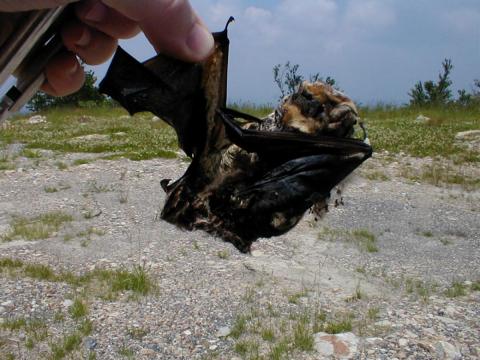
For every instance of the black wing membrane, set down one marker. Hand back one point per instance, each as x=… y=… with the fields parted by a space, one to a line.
x=287 y=145
x=168 y=88
x=171 y=89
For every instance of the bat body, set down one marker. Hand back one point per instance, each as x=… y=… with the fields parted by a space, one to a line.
x=249 y=177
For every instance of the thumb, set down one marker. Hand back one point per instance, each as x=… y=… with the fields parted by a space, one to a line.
x=171 y=26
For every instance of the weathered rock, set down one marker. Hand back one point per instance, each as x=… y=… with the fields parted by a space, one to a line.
x=37 y=119
x=224 y=331
x=92 y=138
x=342 y=346
x=469 y=139
x=422 y=119
x=468 y=135
x=446 y=351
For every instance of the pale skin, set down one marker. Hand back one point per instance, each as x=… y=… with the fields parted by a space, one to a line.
x=171 y=26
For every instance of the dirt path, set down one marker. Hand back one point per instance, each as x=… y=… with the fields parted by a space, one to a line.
x=382 y=262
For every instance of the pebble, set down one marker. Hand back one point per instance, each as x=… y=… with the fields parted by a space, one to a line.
x=90 y=343
x=224 y=331
x=67 y=303
x=403 y=342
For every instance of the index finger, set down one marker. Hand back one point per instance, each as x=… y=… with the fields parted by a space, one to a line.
x=171 y=26
x=15 y=5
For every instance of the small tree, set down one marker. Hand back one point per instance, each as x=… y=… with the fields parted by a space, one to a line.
x=476 y=88
x=87 y=95
x=287 y=78
x=434 y=93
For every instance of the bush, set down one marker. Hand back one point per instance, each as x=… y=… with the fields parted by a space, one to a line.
x=288 y=79
x=433 y=93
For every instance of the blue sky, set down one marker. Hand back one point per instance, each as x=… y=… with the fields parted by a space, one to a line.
x=376 y=49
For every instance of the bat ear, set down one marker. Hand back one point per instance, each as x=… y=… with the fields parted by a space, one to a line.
x=222 y=46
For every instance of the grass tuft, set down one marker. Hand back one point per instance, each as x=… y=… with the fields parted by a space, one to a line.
x=457 y=289
x=78 y=309
x=37 y=228
x=337 y=327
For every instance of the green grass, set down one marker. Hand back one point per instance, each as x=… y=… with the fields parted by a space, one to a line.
x=268 y=334
x=457 y=289
x=295 y=298
x=337 y=327
x=135 y=280
x=303 y=337
x=82 y=161
x=376 y=175
x=61 y=350
x=7 y=263
x=78 y=309
x=363 y=238
x=239 y=327
x=247 y=347
x=36 y=228
x=223 y=254
x=441 y=174
x=420 y=288
x=373 y=313
x=30 y=154
x=366 y=239
x=35 y=329
x=39 y=272
x=6 y=165
x=395 y=130
x=86 y=327
x=144 y=138
x=279 y=350
x=126 y=352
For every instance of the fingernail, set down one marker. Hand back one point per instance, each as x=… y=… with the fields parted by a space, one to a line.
x=73 y=69
x=96 y=13
x=200 y=41
x=84 y=39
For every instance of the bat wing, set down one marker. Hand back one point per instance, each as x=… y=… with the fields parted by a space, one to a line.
x=302 y=170
x=287 y=145
x=178 y=92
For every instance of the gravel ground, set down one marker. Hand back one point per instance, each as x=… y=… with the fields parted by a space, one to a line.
x=427 y=239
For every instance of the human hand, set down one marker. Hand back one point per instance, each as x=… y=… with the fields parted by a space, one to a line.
x=171 y=26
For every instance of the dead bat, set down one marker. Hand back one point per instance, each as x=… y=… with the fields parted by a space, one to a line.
x=249 y=178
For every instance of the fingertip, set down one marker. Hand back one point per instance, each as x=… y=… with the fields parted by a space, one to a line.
x=64 y=75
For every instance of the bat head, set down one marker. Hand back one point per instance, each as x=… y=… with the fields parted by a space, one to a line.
x=317 y=108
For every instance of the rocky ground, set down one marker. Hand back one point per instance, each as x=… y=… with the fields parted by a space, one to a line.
x=394 y=271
